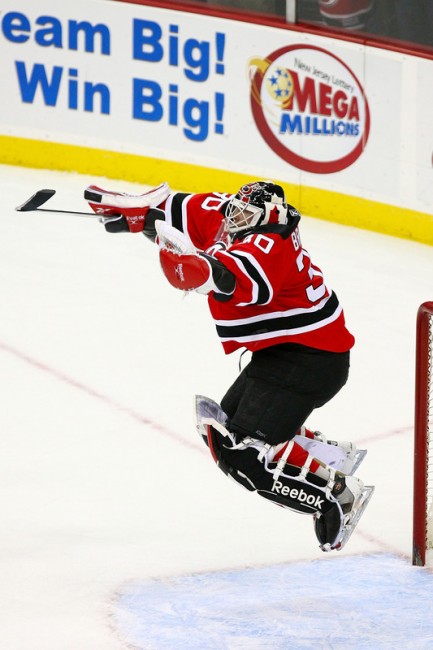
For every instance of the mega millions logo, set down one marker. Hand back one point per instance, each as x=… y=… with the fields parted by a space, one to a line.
x=310 y=108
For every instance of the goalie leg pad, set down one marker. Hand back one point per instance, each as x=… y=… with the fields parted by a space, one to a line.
x=323 y=525
x=251 y=464
x=204 y=409
x=246 y=464
x=216 y=443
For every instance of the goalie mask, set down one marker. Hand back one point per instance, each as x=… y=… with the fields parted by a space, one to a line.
x=256 y=204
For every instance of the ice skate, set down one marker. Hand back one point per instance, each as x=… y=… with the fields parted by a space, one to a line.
x=352 y=497
x=343 y=456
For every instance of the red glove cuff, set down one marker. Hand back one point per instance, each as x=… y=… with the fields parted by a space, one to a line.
x=135 y=217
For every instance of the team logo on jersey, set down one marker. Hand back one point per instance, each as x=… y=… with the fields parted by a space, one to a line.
x=310 y=108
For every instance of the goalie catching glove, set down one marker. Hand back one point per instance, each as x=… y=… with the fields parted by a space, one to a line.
x=189 y=270
x=121 y=212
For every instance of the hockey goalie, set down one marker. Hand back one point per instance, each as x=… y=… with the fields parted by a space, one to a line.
x=265 y=294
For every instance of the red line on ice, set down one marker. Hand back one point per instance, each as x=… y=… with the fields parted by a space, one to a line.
x=88 y=390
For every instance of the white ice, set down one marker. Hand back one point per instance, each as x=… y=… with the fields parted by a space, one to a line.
x=104 y=483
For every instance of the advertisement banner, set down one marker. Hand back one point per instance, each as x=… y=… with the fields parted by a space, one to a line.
x=307 y=110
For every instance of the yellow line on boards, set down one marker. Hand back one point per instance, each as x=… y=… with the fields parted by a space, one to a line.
x=323 y=204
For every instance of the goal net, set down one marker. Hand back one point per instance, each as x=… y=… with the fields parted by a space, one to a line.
x=423 y=442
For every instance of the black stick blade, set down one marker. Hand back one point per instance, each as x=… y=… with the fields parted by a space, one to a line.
x=35 y=201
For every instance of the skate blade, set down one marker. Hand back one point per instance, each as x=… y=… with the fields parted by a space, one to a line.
x=350 y=526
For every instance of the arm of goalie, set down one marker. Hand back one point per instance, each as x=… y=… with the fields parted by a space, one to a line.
x=187 y=269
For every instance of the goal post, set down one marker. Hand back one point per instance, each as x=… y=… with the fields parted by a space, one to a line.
x=423 y=437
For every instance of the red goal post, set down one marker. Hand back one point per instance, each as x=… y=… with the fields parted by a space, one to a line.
x=423 y=439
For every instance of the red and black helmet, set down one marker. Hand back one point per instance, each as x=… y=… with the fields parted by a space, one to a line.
x=256 y=204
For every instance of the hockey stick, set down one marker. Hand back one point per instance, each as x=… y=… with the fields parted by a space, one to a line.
x=42 y=196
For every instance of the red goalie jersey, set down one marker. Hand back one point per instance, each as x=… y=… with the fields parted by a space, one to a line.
x=278 y=294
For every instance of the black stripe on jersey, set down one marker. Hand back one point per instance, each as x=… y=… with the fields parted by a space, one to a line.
x=279 y=323
x=224 y=279
x=176 y=210
x=255 y=275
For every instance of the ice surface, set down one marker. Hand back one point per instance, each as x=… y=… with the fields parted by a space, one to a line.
x=355 y=603
x=103 y=480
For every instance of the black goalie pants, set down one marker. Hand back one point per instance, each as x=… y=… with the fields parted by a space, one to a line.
x=280 y=387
